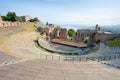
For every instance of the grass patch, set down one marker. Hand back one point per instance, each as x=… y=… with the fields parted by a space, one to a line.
x=94 y=49
x=1 y=40
x=29 y=27
x=114 y=42
x=38 y=46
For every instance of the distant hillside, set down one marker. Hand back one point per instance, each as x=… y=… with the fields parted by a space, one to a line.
x=75 y=27
x=113 y=28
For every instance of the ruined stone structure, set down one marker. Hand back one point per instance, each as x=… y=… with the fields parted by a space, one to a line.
x=93 y=36
x=26 y=18
x=47 y=30
x=104 y=36
x=59 y=34
x=83 y=34
x=52 y=25
x=87 y=36
x=63 y=34
x=97 y=28
x=8 y=23
x=42 y=29
x=5 y=23
x=55 y=33
x=38 y=24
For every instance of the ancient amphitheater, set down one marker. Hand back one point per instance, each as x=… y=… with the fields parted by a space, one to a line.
x=20 y=59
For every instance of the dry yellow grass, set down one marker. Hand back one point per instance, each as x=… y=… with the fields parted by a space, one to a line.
x=37 y=45
x=1 y=40
x=29 y=27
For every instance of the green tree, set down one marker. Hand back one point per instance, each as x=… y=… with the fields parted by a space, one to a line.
x=19 y=19
x=34 y=20
x=11 y=16
x=46 y=23
x=71 y=32
x=31 y=20
x=4 y=18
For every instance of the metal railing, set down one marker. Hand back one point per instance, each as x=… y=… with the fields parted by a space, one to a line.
x=79 y=58
x=101 y=59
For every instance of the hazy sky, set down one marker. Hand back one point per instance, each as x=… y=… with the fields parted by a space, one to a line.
x=66 y=11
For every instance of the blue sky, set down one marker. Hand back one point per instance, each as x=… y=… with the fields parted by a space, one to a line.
x=83 y=12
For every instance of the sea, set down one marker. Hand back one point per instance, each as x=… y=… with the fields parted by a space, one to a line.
x=112 y=28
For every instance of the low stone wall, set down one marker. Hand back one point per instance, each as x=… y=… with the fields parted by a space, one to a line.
x=52 y=48
x=7 y=23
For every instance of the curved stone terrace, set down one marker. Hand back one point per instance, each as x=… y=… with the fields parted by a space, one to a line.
x=49 y=46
